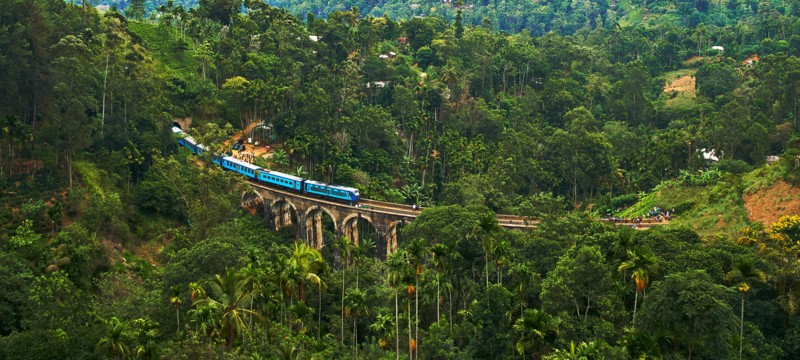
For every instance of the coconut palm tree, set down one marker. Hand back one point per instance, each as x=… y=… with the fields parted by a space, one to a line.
x=744 y=273
x=113 y=341
x=232 y=292
x=309 y=263
x=537 y=332
x=642 y=263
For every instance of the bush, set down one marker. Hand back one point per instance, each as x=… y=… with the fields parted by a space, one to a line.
x=733 y=166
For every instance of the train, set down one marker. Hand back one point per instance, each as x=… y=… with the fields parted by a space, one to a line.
x=272 y=178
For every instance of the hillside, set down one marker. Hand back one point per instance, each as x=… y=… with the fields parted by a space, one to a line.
x=728 y=203
x=116 y=242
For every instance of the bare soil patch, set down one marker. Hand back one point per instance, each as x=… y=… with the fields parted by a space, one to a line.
x=683 y=84
x=768 y=205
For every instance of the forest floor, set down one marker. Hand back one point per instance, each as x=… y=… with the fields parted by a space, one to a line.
x=767 y=205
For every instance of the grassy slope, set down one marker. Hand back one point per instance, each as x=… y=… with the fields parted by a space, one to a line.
x=718 y=209
x=165 y=47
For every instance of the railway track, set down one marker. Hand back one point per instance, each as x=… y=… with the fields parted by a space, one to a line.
x=504 y=220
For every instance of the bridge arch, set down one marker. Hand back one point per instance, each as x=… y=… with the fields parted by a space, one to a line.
x=350 y=229
x=325 y=210
x=283 y=212
x=313 y=230
x=255 y=203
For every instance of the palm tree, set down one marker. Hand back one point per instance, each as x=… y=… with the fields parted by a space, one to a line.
x=439 y=254
x=360 y=252
x=233 y=296
x=744 y=273
x=642 y=262
x=638 y=345
x=502 y=253
x=286 y=351
x=309 y=263
x=356 y=300
x=418 y=252
x=582 y=351
x=397 y=270
x=300 y=171
x=196 y=292
x=344 y=249
x=487 y=227
x=113 y=343
x=176 y=302
x=537 y=331
x=384 y=326
x=145 y=331
x=279 y=159
x=205 y=316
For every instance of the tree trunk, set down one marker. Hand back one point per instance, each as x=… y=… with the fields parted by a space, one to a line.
x=410 y=344
x=635 y=302
x=741 y=330
x=355 y=339
x=437 y=298
x=105 y=80
x=416 y=317
x=342 y=313
x=69 y=169
x=486 y=267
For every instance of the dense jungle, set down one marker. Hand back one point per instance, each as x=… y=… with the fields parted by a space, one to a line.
x=115 y=242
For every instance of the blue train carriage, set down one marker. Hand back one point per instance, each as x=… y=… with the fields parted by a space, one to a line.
x=187 y=141
x=240 y=167
x=280 y=179
x=336 y=192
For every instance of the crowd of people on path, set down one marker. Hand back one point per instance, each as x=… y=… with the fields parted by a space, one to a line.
x=656 y=215
x=245 y=156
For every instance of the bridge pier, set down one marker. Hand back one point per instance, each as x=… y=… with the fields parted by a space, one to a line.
x=312 y=231
x=350 y=230
x=286 y=215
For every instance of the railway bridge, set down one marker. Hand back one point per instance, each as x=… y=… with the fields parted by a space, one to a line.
x=277 y=206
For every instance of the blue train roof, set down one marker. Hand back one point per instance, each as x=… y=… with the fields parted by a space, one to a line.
x=242 y=163
x=176 y=130
x=285 y=176
x=332 y=186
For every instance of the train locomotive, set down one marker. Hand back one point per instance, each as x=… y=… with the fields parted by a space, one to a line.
x=273 y=178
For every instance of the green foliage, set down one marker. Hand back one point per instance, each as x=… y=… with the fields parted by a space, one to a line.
x=689 y=312
x=484 y=121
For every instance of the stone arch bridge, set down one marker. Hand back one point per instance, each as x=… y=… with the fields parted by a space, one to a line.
x=277 y=207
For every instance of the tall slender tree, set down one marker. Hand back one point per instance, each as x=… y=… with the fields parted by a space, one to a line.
x=743 y=274
x=642 y=263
